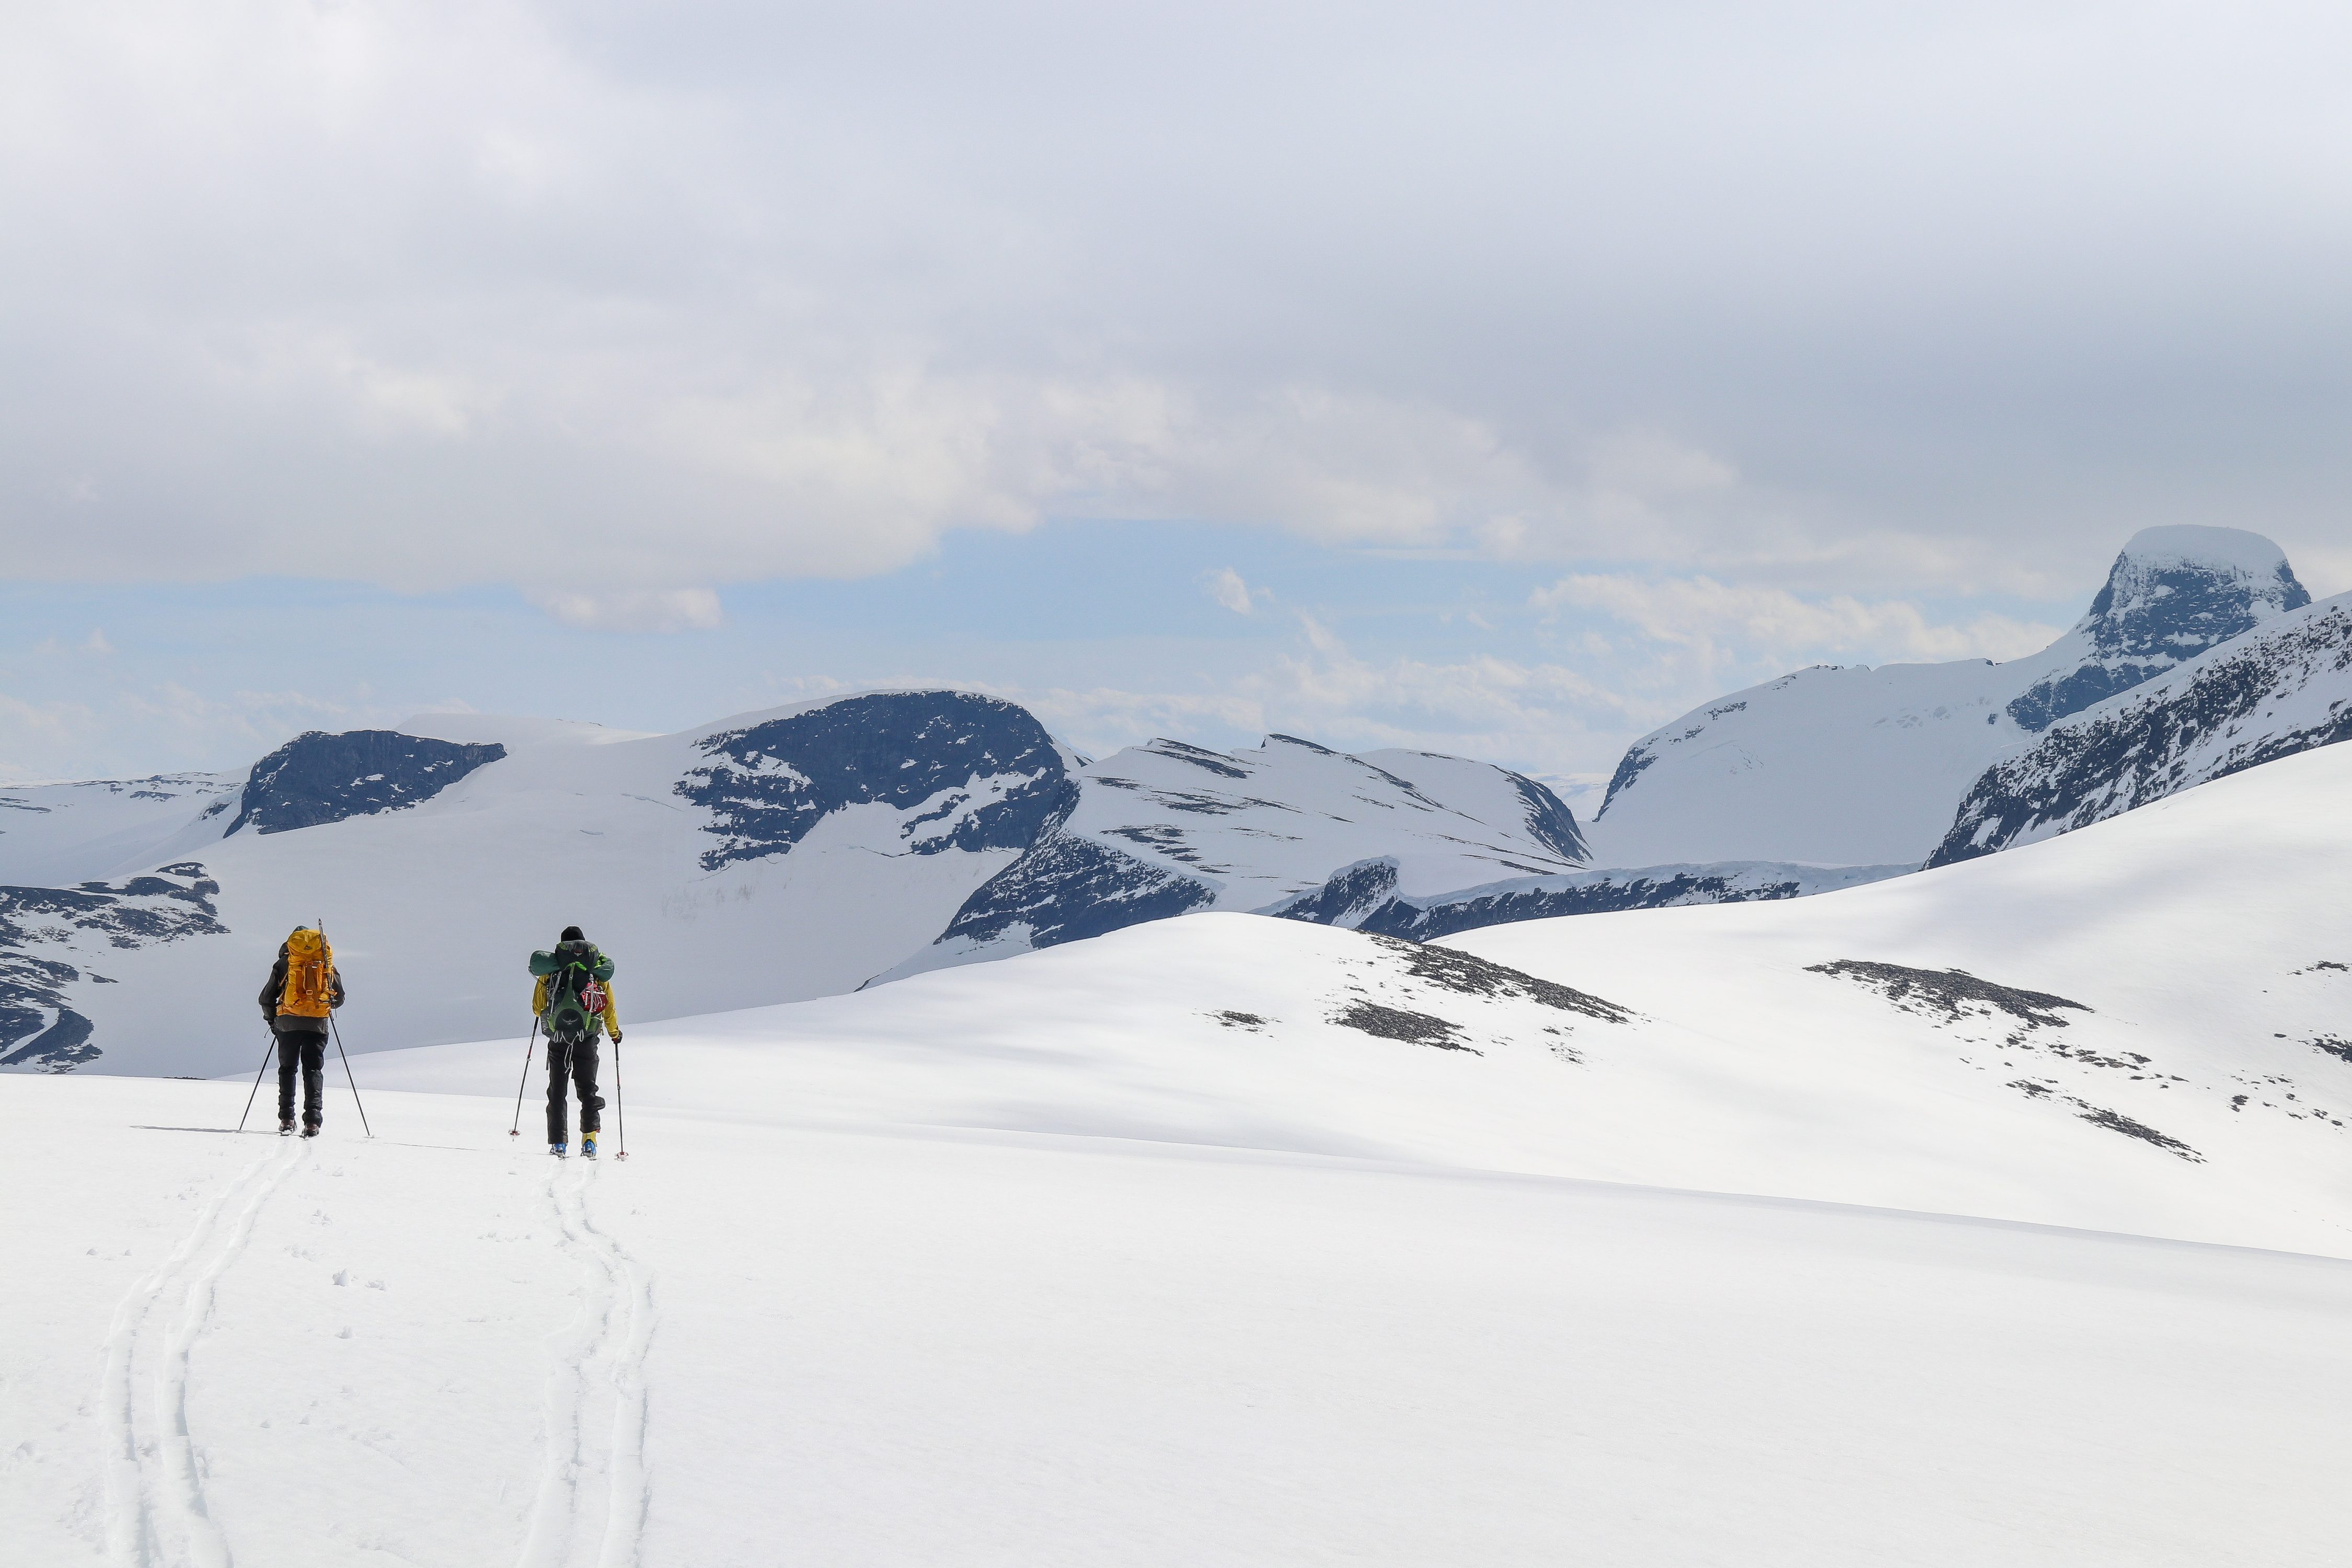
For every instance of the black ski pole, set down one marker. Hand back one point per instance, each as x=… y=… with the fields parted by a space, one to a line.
x=620 y=1097
x=339 y=1034
x=516 y=1130
x=347 y=1075
x=256 y=1079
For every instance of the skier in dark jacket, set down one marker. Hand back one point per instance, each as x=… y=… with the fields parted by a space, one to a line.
x=304 y=987
x=574 y=999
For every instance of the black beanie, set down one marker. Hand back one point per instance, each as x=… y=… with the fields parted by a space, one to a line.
x=571 y=933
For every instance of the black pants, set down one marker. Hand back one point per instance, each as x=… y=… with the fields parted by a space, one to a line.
x=576 y=1059
x=310 y=1050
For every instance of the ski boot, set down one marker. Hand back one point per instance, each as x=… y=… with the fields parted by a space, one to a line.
x=559 y=1149
x=588 y=1145
x=309 y=1130
x=286 y=1127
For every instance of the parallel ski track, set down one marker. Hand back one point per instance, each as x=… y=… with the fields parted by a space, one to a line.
x=593 y=1492
x=156 y=1513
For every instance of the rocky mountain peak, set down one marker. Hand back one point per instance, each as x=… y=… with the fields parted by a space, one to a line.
x=2175 y=592
x=2172 y=594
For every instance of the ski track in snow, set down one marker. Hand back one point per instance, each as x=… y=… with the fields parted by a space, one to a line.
x=156 y=1511
x=592 y=1493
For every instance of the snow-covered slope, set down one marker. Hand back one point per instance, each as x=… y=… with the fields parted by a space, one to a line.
x=1848 y=766
x=2271 y=693
x=57 y=944
x=1168 y=828
x=2150 y=1036
x=900 y=1347
x=2193 y=966
x=55 y=836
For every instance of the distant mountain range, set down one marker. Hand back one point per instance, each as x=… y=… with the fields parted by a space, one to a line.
x=816 y=849
x=768 y=858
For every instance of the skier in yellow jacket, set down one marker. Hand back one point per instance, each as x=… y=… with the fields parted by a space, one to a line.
x=303 y=988
x=573 y=1001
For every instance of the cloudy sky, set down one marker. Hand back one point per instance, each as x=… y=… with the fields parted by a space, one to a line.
x=1496 y=377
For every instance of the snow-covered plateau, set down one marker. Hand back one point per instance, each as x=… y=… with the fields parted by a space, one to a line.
x=1996 y=1214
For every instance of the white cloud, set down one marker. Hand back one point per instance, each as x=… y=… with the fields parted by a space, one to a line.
x=1226 y=586
x=1727 y=623
x=1481 y=706
x=52 y=648
x=659 y=610
x=484 y=277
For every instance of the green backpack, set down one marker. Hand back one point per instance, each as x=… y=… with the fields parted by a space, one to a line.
x=575 y=973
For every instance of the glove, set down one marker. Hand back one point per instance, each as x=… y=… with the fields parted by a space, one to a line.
x=616 y=1037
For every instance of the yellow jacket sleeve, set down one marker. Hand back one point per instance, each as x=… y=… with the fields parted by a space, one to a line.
x=611 y=1011
x=539 y=997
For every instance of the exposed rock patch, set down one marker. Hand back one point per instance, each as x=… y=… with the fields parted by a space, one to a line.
x=1955 y=993
x=1473 y=976
x=2117 y=1121
x=1397 y=1023
x=1363 y=896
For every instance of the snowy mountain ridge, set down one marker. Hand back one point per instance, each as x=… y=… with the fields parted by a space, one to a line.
x=789 y=853
x=1168 y=828
x=1852 y=765
x=2270 y=693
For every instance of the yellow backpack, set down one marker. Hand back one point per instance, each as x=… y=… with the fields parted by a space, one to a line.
x=309 y=976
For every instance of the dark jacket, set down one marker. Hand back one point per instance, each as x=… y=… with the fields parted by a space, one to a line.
x=294 y=1022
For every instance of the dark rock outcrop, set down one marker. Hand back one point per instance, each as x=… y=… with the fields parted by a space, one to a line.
x=993 y=778
x=1363 y=896
x=319 y=778
x=1070 y=886
x=1548 y=820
